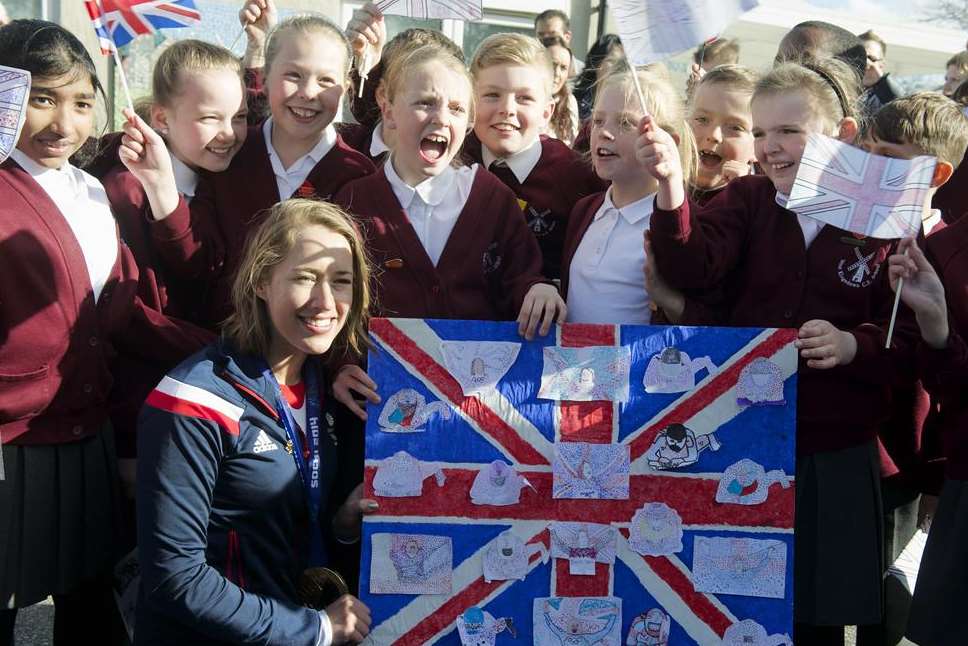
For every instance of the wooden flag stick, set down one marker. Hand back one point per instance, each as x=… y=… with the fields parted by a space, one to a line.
x=361 y=69
x=897 y=302
x=123 y=77
x=238 y=36
x=638 y=86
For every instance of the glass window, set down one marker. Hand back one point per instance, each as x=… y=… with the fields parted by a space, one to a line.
x=396 y=24
x=23 y=8
x=475 y=32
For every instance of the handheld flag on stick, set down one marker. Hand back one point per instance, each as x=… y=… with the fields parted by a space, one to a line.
x=654 y=30
x=14 y=94
x=866 y=194
x=108 y=46
x=126 y=19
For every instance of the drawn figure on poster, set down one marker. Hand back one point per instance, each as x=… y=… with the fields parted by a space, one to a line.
x=507 y=557
x=411 y=564
x=748 y=483
x=672 y=371
x=760 y=384
x=649 y=629
x=402 y=476
x=596 y=373
x=750 y=633
x=498 y=484
x=743 y=566
x=406 y=411
x=578 y=621
x=584 y=545
x=14 y=95
x=478 y=627
x=478 y=365
x=656 y=530
x=677 y=446
x=591 y=471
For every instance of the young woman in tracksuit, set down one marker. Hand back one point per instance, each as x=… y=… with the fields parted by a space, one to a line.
x=248 y=474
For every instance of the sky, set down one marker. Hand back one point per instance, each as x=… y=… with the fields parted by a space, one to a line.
x=871 y=7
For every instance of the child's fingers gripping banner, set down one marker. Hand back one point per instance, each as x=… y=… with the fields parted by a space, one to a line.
x=654 y=506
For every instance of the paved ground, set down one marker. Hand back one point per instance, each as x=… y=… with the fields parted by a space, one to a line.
x=35 y=626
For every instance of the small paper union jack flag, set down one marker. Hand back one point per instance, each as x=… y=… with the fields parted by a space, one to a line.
x=118 y=22
x=103 y=37
x=867 y=194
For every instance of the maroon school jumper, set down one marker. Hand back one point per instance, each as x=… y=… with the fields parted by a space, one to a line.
x=228 y=205
x=359 y=137
x=56 y=343
x=742 y=241
x=135 y=377
x=489 y=263
x=952 y=198
x=946 y=371
x=559 y=179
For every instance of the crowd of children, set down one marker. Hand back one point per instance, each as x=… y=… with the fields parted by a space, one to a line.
x=238 y=207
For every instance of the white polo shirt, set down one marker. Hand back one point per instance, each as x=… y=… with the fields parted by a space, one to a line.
x=606 y=280
x=433 y=205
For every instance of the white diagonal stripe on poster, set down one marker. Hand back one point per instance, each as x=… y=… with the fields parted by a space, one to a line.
x=668 y=599
x=725 y=407
x=464 y=575
x=428 y=341
x=675 y=560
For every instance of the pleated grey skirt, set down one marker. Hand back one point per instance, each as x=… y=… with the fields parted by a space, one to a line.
x=938 y=616
x=838 y=553
x=59 y=521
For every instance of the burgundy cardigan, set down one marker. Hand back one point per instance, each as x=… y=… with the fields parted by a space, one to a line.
x=489 y=263
x=945 y=371
x=56 y=343
x=135 y=377
x=207 y=240
x=746 y=244
x=549 y=194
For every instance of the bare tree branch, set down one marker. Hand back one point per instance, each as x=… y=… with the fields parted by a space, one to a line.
x=954 y=12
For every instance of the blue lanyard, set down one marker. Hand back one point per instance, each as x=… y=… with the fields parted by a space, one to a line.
x=308 y=467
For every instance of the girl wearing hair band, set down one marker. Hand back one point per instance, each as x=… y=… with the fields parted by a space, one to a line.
x=296 y=152
x=69 y=305
x=246 y=469
x=784 y=270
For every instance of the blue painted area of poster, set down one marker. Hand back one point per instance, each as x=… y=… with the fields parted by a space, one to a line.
x=502 y=418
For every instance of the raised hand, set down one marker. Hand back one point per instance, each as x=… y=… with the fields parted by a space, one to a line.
x=257 y=17
x=143 y=152
x=921 y=290
x=367 y=28
x=657 y=152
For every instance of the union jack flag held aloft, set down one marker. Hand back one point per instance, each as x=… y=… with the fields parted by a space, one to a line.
x=660 y=515
x=118 y=22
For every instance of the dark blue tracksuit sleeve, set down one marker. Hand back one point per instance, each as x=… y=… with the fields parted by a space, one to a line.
x=178 y=464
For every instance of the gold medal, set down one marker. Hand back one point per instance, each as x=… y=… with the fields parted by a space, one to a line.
x=319 y=586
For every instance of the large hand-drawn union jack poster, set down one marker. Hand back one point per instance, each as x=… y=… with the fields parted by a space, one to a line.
x=602 y=485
